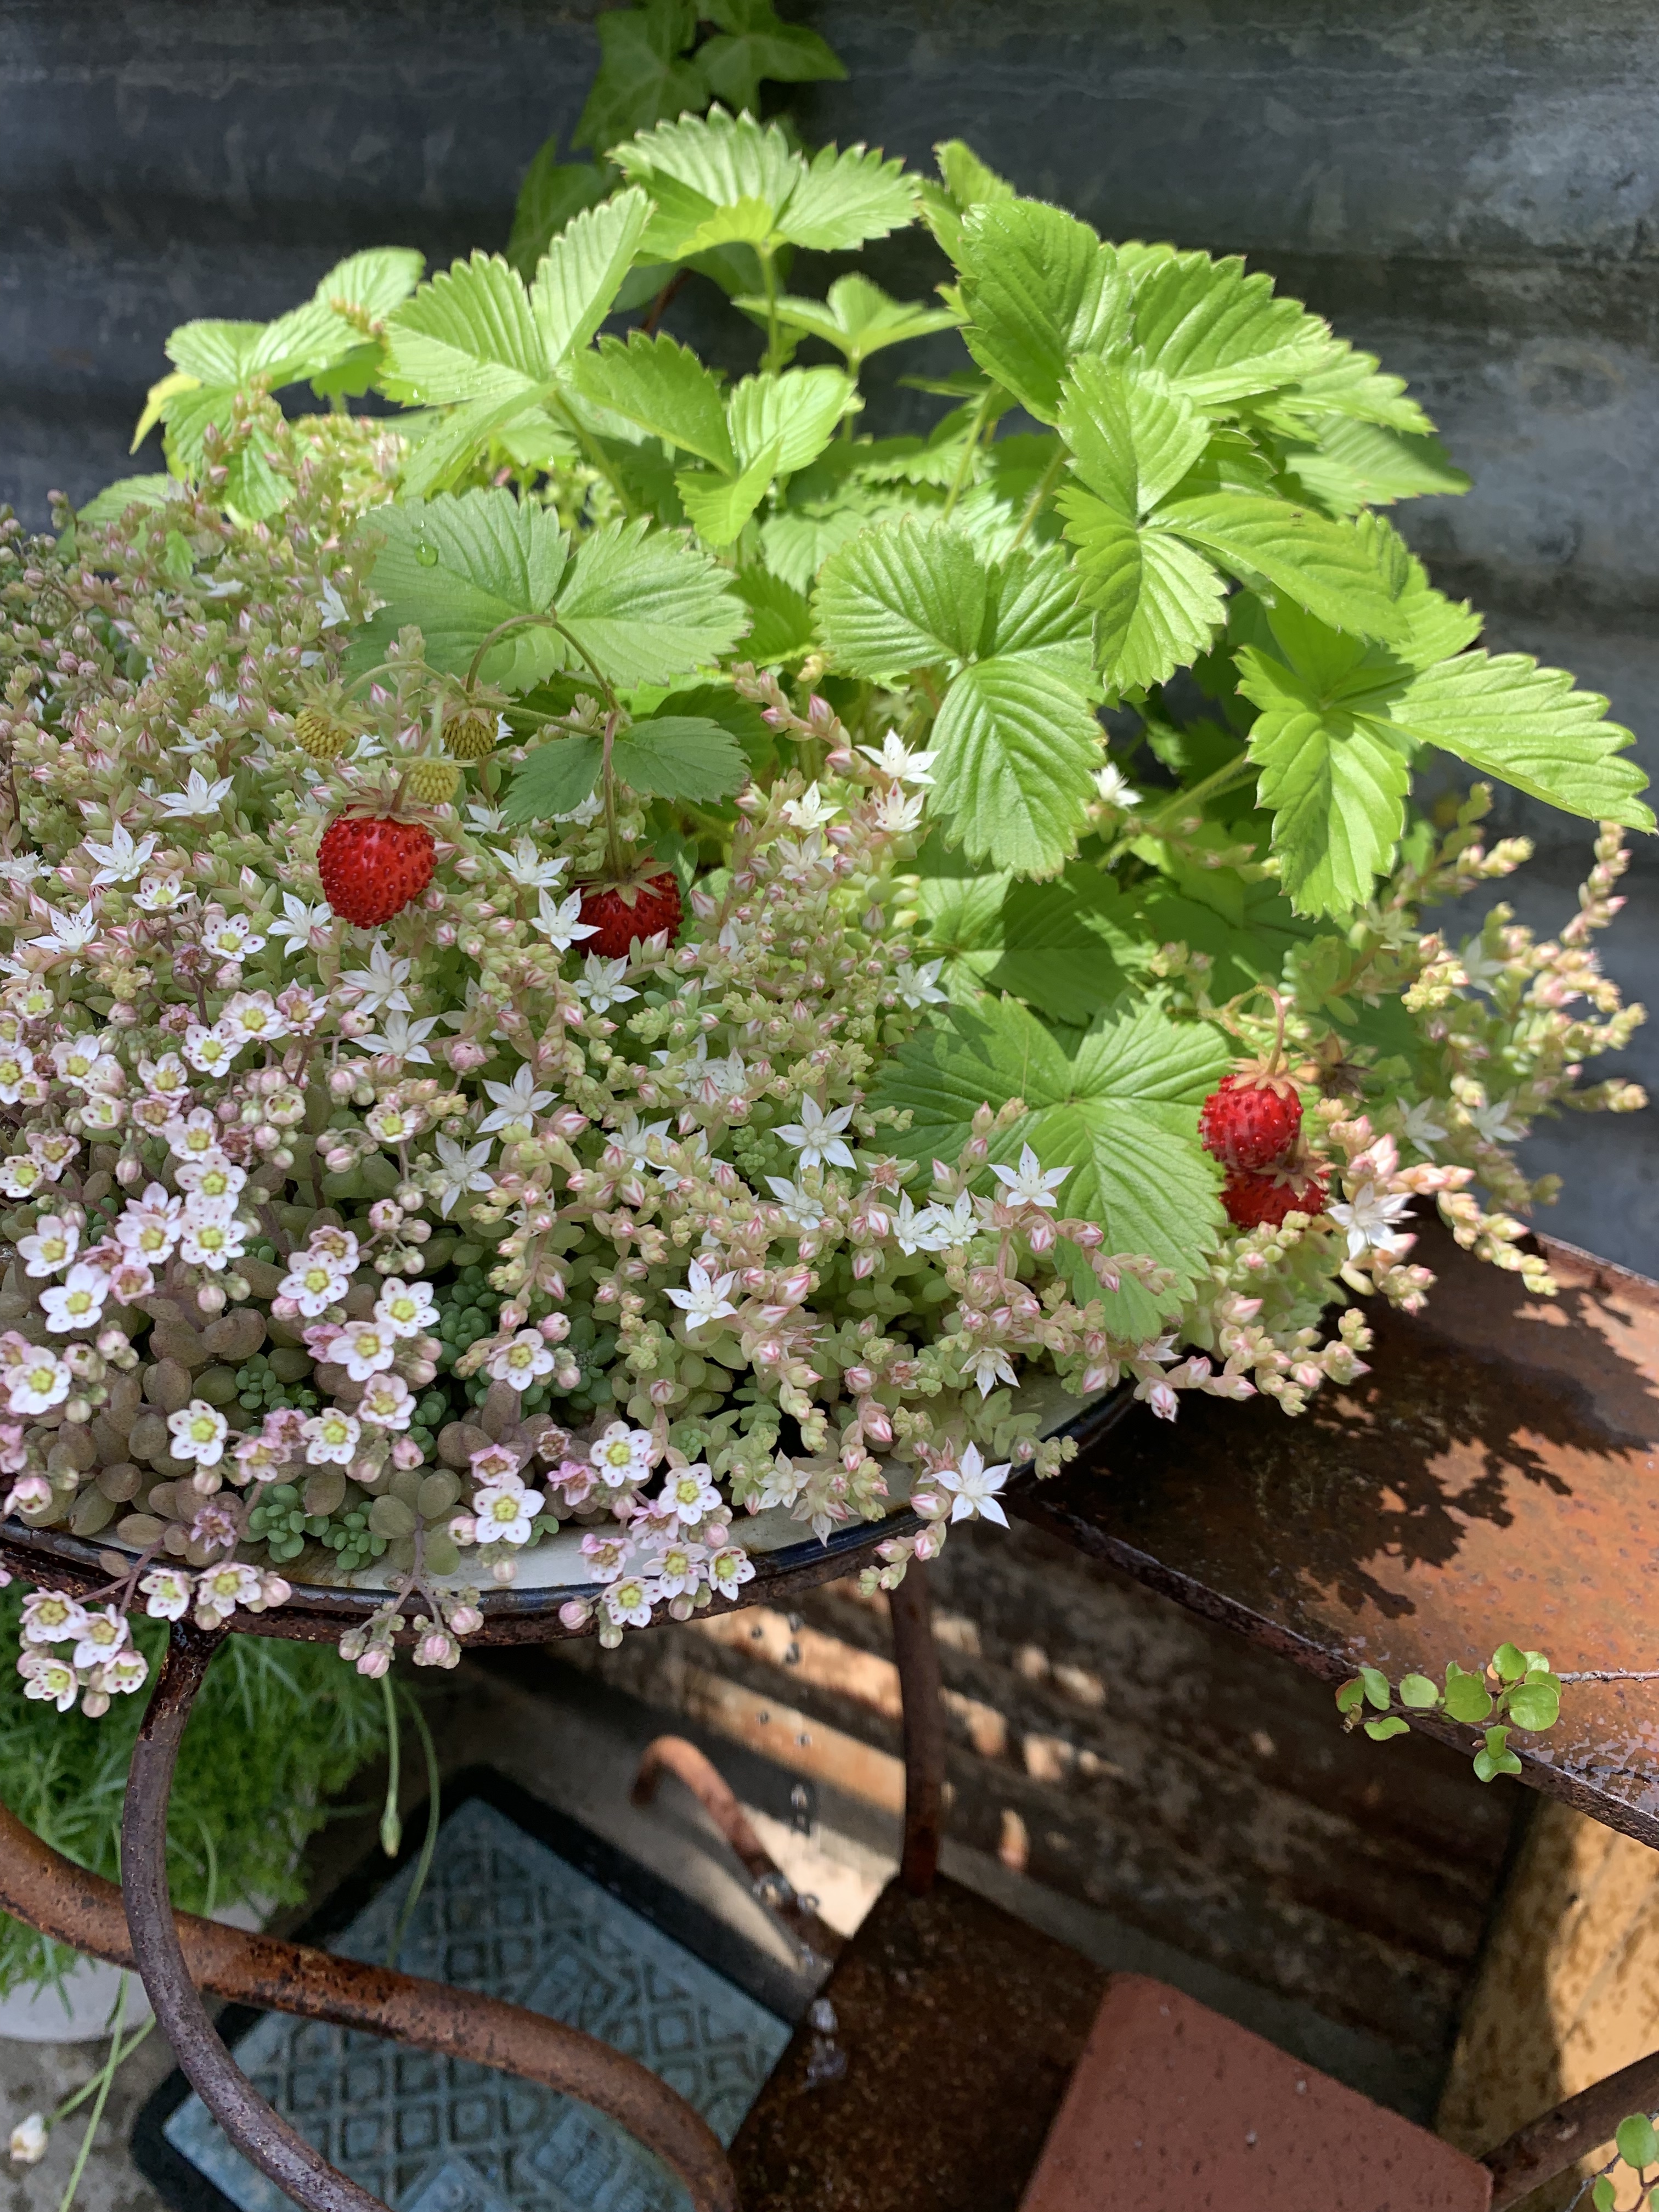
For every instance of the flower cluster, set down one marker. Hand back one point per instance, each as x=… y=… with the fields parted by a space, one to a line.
x=392 y=1253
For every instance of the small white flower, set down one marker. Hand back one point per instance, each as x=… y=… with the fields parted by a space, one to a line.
x=160 y=893
x=49 y=1679
x=78 y=1302
x=559 y=923
x=521 y=1363
x=915 y=1232
x=990 y=1365
x=121 y=859
x=401 y=1038
x=298 y=920
x=405 y=1308
x=387 y=1402
x=380 y=985
x=198 y=797
x=817 y=1136
x=811 y=811
x=705 y=1298
x=332 y=608
x=16 y=1067
x=628 y=1602
x=314 y=1283
x=330 y=1438
x=602 y=984
x=209 y=1051
x=689 y=1493
x=633 y=1139
x=893 y=759
x=1030 y=1182
x=364 y=1347
x=1114 y=789
x=53 y=1245
x=516 y=1101
x=1481 y=968
x=953 y=1224
x=459 y=1171
x=973 y=1487
x=37 y=1382
x=674 y=1569
x=212 y=1244
x=899 y=812
x=531 y=868
x=212 y=1179
x=1494 y=1123
x=23 y=868
x=1421 y=1128
x=504 y=1512
x=730 y=1569
x=101 y=1637
x=198 y=1432
x=621 y=1455
x=229 y=937
x=800 y=1209
x=167 y=1594
x=919 y=987
x=1369 y=1217
x=69 y=932
x=251 y=1017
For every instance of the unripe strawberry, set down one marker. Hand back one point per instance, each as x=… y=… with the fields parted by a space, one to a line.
x=470 y=737
x=433 y=781
x=1259 y=1198
x=319 y=735
x=372 y=868
x=639 y=907
x=1253 y=1120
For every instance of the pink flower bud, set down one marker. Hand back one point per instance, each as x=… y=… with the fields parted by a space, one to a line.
x=466 y=1621
x=568 y=1123
x=859 y=1380
x=575 y=1615
x=661 y=1392
x=863 y=1264
x=342 y=1082
x=406 y=1453
x=29 y=1493
x=375 y=1662
x=931 y=1504
x=211 y=1298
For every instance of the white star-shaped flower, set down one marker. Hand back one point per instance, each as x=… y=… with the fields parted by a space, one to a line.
x=990 y=1365
x=69 y=932
x=380 y=985
x=800 y=1209
x=602 y=985
x=919 y=987
x=817 y=1136
x=1483 y=968
x=1368 y=1217
x=973 y=1487
x=1493 y=1122
x=953 y=1224
x=1030 y=1182
x=121 y=859
x=893 y=758
x=459 y=1170
x=332 y=609
x=518 y=1101
x=198 y=797
x=562 y=924
x=1421 y=1127
x=632 y=1139
x=898 y=813
x=915 y=1232
x=811 y=811
x=534 y=870
x=401 y=1038
x=705 y=1298
x=23 y=868
x=1115 y=788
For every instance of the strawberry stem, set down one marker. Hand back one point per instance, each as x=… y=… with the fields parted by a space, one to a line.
x=549 y=621
x=608 y=779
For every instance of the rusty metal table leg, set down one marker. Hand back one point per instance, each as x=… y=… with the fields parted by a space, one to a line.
x=81 y=1909
x=917 y=1657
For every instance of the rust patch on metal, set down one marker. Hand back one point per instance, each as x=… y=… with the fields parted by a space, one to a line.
x=1496 y=1476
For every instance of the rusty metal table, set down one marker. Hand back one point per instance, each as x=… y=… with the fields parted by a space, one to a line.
x=1492 y=1480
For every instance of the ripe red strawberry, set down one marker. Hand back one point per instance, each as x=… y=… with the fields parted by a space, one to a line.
x=1260 y=1198
x=638 y=906
x=372 y=868
x=1252 y=1120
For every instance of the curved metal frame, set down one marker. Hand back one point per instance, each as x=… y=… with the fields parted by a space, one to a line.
x=174 y=1952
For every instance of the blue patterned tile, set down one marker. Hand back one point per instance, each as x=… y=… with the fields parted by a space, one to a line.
x=503 y=1913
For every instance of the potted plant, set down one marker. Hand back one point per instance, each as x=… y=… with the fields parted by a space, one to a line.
x=615 y=952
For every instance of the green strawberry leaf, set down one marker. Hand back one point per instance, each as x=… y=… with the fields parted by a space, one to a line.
x=457 y=568
x=554 y=780
x=662 y=386
x=648 y=604
x=1039 y=289
x=1017 y=748
x=1120 y=1107
x=680 y=757
x=857 y=318
x=720 y=506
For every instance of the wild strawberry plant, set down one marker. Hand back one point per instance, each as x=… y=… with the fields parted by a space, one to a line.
x=614 y=950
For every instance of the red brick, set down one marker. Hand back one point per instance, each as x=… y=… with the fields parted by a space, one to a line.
x=1173 y=2105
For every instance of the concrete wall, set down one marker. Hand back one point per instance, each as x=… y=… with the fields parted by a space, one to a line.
x=1470 y=191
